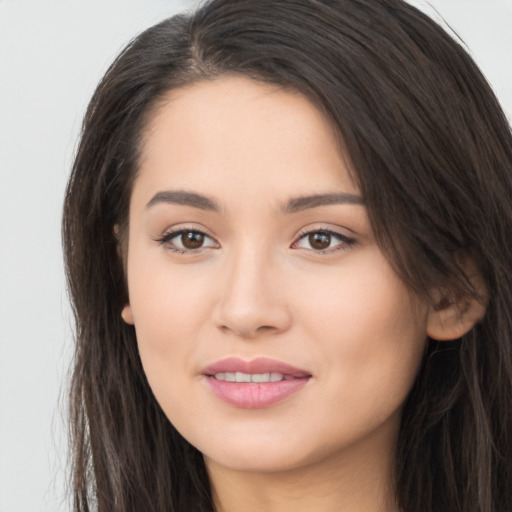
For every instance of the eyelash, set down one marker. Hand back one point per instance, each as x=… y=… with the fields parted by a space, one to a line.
x=344 y=241
x=167 y=238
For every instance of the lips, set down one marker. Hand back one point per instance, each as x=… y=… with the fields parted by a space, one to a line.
x=254 y=384
x=259 y=365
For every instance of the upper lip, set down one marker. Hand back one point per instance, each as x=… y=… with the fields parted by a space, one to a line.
x=258 y=365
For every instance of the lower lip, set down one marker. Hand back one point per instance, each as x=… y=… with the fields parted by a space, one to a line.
x=255 y=395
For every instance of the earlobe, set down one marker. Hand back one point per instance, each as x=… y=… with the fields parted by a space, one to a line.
x=127 y=315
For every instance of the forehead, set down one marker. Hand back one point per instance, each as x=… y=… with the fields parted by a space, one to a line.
x=242 y=133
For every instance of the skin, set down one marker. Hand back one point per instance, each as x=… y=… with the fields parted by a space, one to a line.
x=258 y=288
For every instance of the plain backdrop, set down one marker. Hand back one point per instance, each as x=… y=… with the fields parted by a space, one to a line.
x=52 y=54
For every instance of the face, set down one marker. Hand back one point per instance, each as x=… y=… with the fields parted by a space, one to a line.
x=265 y=313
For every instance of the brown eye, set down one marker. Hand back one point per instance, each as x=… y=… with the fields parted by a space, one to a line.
x=323 y=241
x=319 y=240
x=192 y=239
x=187 y=240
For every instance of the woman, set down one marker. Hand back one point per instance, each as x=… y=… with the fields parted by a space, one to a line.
x=286 y=237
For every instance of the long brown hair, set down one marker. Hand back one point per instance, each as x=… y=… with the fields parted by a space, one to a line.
x=432 y=153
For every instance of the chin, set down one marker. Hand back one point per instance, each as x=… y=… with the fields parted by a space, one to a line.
x=257 y=460
x=263 y=454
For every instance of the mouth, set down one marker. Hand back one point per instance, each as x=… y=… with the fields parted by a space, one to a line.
x=251 y=377
x=254 y=384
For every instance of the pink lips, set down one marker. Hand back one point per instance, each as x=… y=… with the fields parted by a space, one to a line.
x=255 y=395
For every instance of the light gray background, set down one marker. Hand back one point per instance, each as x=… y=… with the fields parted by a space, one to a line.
x=52 y=53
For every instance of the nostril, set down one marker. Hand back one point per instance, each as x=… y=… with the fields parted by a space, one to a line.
x=266 y=328
x=248 y=333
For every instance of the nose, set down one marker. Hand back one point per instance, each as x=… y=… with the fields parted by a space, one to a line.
x=252 y=301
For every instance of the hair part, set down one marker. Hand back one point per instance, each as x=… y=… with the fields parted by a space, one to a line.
x=431 y=151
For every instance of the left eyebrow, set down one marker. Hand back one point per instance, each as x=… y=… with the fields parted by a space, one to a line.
x=298 y=204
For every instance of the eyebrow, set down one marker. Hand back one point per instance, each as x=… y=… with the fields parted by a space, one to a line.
x=185 y=199
x=294 y=205
x=298 y=204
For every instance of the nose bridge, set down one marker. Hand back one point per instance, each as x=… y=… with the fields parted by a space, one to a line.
x=250 y=302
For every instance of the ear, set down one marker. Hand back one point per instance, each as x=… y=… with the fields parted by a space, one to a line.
x=127 y=315
x=450 y=319
x=126 y=312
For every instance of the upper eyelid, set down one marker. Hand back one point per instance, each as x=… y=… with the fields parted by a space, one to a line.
x=174 y=233
x=334 y=234
x=338 y=231
x=180 y=228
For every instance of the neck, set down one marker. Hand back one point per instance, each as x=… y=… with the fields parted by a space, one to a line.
x=351 y=481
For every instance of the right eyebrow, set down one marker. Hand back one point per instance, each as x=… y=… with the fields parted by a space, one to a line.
x=184 y=198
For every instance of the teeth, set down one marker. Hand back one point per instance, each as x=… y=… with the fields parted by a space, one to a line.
x=242 y=377
x=260 y=377
x=250 y=377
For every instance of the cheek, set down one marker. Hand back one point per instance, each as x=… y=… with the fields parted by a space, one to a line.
x=369 y=332
x=363 y=301
x=166 y=297
x=170 y=308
